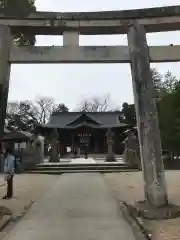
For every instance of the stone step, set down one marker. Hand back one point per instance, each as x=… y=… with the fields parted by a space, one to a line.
x=57 y=165
x=80 y=168
x=57 y=172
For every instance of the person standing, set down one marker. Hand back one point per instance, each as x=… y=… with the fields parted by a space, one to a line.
x=85 y=152
x=9 y=170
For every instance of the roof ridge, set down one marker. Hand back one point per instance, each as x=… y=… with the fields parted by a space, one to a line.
x=73 y=112
x=79 y=116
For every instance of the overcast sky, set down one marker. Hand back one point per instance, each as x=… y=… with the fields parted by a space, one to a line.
x=71 y=83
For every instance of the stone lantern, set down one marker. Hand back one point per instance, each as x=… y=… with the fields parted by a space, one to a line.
x=54 y=146
x=110 y=142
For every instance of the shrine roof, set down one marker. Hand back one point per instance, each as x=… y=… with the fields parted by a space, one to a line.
x=73 y=120
x=17 y=135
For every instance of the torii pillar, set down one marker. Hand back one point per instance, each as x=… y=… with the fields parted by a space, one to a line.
x=147 y=119
x=5 y=47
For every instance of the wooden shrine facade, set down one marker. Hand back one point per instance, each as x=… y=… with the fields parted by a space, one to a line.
x=85 y=129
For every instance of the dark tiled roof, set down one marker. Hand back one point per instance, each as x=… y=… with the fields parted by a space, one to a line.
x=18 y=135
x=102 y=119
x=26 y=134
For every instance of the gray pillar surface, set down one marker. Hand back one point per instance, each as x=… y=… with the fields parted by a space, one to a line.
x=71 y=38
x=5 y=46
x=147 y=119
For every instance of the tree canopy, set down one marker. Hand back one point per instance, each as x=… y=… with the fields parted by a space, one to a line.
x=19 y=8
x=167 y=88
x=27 y=114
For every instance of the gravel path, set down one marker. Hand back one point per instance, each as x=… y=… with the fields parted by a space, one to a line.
x=129 y=187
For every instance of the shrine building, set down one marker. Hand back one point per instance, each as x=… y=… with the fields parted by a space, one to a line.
x=86 y=129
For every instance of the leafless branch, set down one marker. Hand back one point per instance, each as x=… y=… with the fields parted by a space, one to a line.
x=96 y=104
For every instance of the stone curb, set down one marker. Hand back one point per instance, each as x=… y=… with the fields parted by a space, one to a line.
x=13 y=220
x=5 y=221
x=138 y=230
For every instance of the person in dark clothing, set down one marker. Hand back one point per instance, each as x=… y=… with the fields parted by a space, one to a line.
x=9 y=165
x=85 y=152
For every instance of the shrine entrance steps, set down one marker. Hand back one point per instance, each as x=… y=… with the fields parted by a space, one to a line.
x=81 y=165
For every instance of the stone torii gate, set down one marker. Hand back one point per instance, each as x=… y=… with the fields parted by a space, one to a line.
x=134 y=23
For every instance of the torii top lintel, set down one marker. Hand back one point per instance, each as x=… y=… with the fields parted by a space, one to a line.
x=93 y=23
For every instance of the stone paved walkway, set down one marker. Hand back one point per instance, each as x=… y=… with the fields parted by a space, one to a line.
x=78 y=207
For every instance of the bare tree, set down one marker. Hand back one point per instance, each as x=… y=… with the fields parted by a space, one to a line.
x=44 y=108
x=96 y=104
x=25 y=115
x=12 y=108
